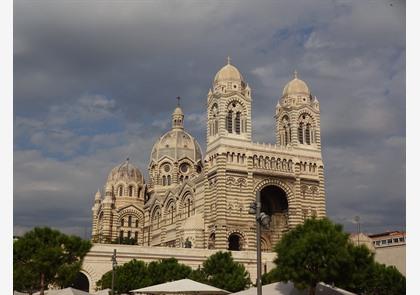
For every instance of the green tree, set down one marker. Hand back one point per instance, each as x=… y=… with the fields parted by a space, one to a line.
x=221 y=271
x=166 y=270
x=357 y=271
x=129 y=276
x=319 y=251
x=269 y=277
x=198 y=275
x=45 y=256
x=311 y=253
x=385 y=280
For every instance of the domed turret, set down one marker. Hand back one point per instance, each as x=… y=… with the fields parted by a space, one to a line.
x=295 y=87
x=98 y=196
x=178 y=117
x=228 y=78
x=125 y=172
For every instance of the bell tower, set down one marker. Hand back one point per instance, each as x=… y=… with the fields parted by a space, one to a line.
x=298 y=117
x=229 y=107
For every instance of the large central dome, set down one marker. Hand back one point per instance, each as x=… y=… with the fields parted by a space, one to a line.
x=176 y=143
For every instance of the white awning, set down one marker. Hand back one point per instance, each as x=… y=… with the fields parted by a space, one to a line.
x=289 y=289
x=66 y=291
x=185 y=286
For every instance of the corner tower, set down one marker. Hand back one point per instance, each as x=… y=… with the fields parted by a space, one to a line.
x=229 y=107
x=298 y=117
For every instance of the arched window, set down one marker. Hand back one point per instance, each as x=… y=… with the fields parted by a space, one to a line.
x=306 y=129
x=129 y=220
x=285 y=131
x=136 y=235
x=238 y=123
x=156 y=218
x=129 y=234
x=130 y=191
x=120 y=191
x=138 y=193
x=172 y=212
x=300 y=132
x=121 y=234
x=122 y=222
x=137 y=223
x=216 y=126
x=164 y=180
x=229 y=119
x=169 y=180
x=308 y=133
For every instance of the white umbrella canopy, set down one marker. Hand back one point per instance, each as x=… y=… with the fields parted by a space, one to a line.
x=103 y=292
x=66 y=291
x=289 y=289
x=185 y=286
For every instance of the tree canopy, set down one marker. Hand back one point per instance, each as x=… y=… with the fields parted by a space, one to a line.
x=137 y=274
x=129 y=276
x=166 y=270
x=221 y=271
x=319 y=251
x=45 y=256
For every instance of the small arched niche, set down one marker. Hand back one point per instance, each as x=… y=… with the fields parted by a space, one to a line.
x=235 y=242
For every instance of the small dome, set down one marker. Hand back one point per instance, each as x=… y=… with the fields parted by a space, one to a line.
x=125 y=172
x=228 y=73
x=296 y=86
x=178 y=111
x=176 y=144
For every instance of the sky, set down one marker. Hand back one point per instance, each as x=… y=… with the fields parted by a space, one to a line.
x=95 y=82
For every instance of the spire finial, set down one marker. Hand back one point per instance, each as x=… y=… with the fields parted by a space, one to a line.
x=178 y=98
x=128 y=159
x=228 y=60
x=295 y=74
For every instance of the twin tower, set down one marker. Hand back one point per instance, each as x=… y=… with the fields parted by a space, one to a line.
x=202 y=201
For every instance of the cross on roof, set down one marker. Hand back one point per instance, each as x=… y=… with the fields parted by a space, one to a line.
x=178 y=98
x=228 y=60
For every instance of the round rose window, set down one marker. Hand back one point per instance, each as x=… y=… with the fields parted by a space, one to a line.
x=166 y=167
x=184 y=168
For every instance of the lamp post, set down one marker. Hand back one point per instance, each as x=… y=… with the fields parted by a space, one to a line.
x=264 y=219
x=114 y=265
x=357 y=219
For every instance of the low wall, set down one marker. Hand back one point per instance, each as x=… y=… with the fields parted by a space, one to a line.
x=98 y=261
x=392 y=255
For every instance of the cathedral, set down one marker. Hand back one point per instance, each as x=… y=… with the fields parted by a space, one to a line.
x=196 y=200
